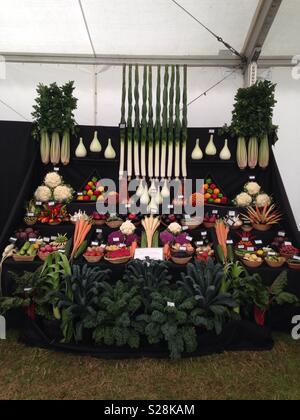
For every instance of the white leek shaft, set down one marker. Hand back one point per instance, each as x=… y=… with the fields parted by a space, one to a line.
x=143 y=161
x=163 y=161
x=150 y=161
x=177 y=160
x=157 y=159
x=184 y=165
x=136 y=159
x=122 y=158
x=170 y=161
x=129 y=159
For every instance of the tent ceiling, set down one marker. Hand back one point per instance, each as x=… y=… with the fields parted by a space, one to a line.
x=284 y=36
x=141 y=28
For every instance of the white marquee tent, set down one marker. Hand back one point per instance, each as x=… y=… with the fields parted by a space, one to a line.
x=87 y=40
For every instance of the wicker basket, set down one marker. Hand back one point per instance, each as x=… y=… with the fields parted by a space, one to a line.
x=116 y=261
x=31 y=223
x=247 y=229
x=93 y=260
x=274 y=264
x=21 y=258
x=209 y=225
x=191 y=224
x=181 y=261
x=114 y=225
x=252 y=264
x=262 y=228
x=294 y=266
x=99 y=222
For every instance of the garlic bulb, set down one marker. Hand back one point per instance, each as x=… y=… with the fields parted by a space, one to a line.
x=211 y=149
x=110 y=151
x=145 y=197
x=197 y=153
x=95 y=146
x=225 y=154
x=140 y=189
x=81 y=151
x=165 y=192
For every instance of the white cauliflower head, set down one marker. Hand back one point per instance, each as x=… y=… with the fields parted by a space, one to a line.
x=243 y=200
x=62 y=193
x=175 y=228
x=43 y=194
x=53 y=180
x=127 y=228
x=263 y=200
x=252 y=188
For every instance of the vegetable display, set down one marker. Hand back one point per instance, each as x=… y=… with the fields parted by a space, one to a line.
x=158 y=124
x=137 y=125
x=150 y=127
x=144 y=125
x=164 y=132
x=171 y=124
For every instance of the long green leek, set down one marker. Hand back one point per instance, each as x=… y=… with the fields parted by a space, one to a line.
x=123 y=123
x=150 y=127
x=184 y=124
x=137 y=125
x=144 y=125
x=171 y=124
x=158 y=123
x=129 y=124
x=164 y=137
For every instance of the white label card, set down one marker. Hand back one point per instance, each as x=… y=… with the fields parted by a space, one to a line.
x=32 y=240
x=56 y=169
x=13 y=240
x=185 y=228
x=245 y=239
x=272 y=254
x=258 y=242
x=215 y=212
x=252 y=177
x=241 y=247
x=187 y=217
x=53 y=238
x=296 y=258
x=250 y=249
x=203 y=234
x=180 y=197
x=281 y=234
x=232 y=213
x=46 y=240
x=156 y=254
x=201 y=243
x=30 y=214
x=170 y=206
x=212 y=131
x=99 y=231
x=38 y=203
x=189 y=238
x=95 y=244
x=183 y=248
x=230 y=242
x=288 y=244
x=171 y=305
x=51 y=203
x=122 y=245
x=116 y=240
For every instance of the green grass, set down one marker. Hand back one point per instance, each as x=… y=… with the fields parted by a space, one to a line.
x=27 y=373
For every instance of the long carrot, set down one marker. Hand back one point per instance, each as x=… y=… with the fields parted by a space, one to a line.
x=133 y=249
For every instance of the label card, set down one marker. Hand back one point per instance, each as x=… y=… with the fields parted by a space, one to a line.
x=288 y=244
x=182 y=248
x=296 y=258
x=258 y=242
x=241 y=246
x=189 y=238
x=212 y=131
x=185 y=228
x=203 y=234
x=215 y=212
x=252 y=177
x=38 y=203
x=95 y=243
x=232 y=214
x=56 y=169
x=230 y=222
x=272 y=254
x=187 y=217
x=30 y=214
x=245 y=239
x=53 y=238
x=155 y=254
x=251 y=249
x=32 y=240
x=46 y=240
x=201 y=243
x=229 y=242
x=99 y=231
x=281 y=234
x=171 y=305
x=122 y=245
x=51 y=203
x=116 y=240
x=13 y=240
x=170 y=206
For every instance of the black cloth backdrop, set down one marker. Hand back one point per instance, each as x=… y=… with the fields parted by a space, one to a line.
x=22 y=172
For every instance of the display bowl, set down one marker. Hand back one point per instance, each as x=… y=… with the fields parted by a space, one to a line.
x=293 y=266
x=116 y=261
x=99 y=222
x=192 y=224
x=181 y=261
x=22 y=258
x=274 y=264
x=31 y=222
x=247 y=229
x=114 y=225
x=93 y=260
x=252 y=264
x=287 y=256
x=208 y=225
x=262 y=228
x=42 y=256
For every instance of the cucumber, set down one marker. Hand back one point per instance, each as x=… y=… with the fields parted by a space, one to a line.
x=31 y=251
x=81 y=250
x=155 y=240
x=25 y=248
x=220 y=254
x=144 y=243
x=230 y=253
x=68 y=248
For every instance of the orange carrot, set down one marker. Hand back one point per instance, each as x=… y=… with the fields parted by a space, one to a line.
x=133 y=249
